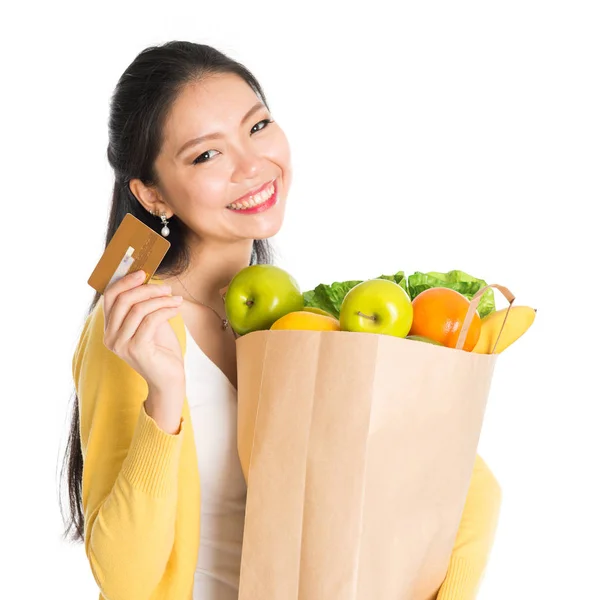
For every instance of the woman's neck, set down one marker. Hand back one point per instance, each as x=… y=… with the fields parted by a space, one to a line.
x=211 y=268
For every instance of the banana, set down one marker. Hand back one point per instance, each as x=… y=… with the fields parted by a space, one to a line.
x=520 y=319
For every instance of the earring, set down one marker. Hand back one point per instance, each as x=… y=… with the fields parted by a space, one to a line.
x=165 y=230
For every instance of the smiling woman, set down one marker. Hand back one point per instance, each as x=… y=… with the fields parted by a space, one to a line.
x=191 y=140
x=240 y=161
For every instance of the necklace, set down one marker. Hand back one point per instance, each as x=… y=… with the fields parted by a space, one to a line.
x=224 y=322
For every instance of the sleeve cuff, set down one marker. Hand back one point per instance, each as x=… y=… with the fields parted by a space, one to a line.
x=152 y=462
x=462 y=580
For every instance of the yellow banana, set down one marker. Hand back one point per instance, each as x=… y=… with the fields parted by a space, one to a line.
x=520 y=319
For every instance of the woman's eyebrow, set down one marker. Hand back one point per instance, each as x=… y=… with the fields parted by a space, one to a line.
x=212 y=136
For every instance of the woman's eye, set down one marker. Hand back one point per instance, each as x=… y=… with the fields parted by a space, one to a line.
x=260 y=125
x=204 y=156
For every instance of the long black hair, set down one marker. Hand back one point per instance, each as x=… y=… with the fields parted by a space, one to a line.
x=138 y=109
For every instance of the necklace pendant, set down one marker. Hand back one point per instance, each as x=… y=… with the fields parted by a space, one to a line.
x=225 y=323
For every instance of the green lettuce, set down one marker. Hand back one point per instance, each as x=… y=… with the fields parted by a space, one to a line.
x=460 y=281
x=399 y=278
x=330 y=297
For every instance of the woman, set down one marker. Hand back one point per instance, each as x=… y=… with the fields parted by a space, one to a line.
x=196 y=155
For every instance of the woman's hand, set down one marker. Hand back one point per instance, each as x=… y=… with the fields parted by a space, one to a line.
x=136 y=329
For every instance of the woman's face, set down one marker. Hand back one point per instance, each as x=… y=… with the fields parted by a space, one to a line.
x=224 y=168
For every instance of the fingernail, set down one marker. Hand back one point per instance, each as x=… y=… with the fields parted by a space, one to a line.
x=178 y=298
x=166 y=289
x=140 y=274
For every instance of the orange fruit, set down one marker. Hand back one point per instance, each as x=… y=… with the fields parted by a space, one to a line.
x=303 y=319
x=439 y=313
x=318 y=311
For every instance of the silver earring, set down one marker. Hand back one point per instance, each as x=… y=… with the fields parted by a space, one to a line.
x=165 y=230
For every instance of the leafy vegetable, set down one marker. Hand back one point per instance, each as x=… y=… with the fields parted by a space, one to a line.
x=457 y=280
x=330 y=297
x=399 y=278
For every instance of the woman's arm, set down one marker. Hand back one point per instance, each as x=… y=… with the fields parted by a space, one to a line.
x=475 y=536
x=130 y=471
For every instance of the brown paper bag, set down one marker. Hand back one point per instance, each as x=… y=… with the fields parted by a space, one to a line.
x=358 y=450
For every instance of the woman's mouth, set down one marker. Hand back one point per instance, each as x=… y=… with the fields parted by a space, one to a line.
x=262 y=200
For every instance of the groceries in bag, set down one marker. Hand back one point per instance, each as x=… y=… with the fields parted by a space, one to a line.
x=358 y=449
x=424 y=307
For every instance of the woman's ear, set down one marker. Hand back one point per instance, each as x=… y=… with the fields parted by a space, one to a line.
x=148 y=197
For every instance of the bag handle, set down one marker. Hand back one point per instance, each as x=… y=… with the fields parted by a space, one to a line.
x=462 y=337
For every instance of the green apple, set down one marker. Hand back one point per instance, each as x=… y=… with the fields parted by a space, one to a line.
x=258 y=295
x=377 y=306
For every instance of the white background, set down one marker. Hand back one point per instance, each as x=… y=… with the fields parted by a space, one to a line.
x=427 y=136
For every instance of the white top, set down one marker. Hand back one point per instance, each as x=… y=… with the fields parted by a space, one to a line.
x=213 y=407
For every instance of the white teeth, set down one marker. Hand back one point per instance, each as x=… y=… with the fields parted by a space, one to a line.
x=254 y=200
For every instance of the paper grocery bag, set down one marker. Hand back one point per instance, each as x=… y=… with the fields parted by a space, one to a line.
x=358 y=450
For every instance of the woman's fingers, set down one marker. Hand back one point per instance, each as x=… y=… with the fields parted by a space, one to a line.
x=143 y=311
x=134 y=317
x=147 y=329
x=124 y=284
x=126 y=300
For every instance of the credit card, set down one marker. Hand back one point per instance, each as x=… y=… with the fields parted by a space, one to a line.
x=134 y=246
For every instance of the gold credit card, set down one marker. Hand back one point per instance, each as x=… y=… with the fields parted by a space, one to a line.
x=134 y=246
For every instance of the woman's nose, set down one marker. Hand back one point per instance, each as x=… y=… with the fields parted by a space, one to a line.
x=247 y=165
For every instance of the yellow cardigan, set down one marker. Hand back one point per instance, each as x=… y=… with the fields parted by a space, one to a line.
x=141 y=488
